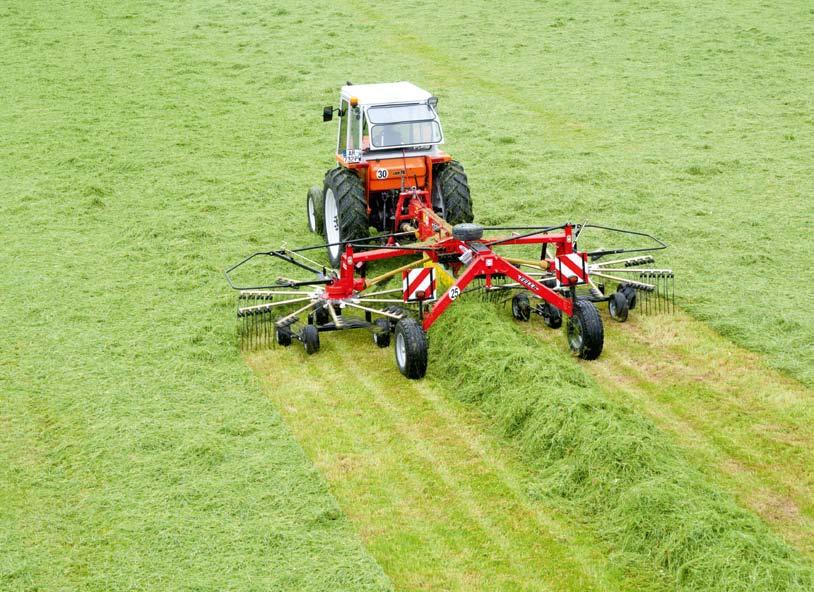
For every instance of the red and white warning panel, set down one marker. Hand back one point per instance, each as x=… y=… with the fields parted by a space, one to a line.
x=571 y=269
x=418 y=284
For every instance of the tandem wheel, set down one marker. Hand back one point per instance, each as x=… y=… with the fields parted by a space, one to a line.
x=618 y=307
x=411 y=348
x=585 y=333
x=310 y=339
x=521 y=309
x=381 y=332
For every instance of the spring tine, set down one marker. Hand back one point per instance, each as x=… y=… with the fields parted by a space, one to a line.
x=658 y=293
x=643 y=294
x=264 y=330
x=659 y=289
x=674 y=293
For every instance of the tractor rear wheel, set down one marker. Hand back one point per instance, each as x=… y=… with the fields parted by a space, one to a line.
x=450 y=195
x=315 y=209
x=345 y=211
x=585 y=333
x=411 y=348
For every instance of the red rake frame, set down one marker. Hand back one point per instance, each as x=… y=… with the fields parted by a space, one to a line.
x=467 y=253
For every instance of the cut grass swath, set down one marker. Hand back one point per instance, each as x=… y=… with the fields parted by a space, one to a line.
x=610 y=464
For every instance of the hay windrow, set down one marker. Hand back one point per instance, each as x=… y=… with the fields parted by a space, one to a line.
x=609 y=465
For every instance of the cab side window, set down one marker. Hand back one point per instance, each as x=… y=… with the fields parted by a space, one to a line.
x=355 y=129
x=343 y=127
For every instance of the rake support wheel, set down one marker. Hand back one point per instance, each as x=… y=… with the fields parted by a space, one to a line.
x=381 y=333
x=345 y=211
x=586 y=335
x=411 y=348
x=451 y=196
x=521 y=309
x=283 y=335
x=552 y=316
x=618 y=307
x=310 y=339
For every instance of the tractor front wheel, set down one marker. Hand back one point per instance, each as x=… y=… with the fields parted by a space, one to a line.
x=585 y=333
x=411 y=348
x=315 y=209
x=345 y=211
x=450 y=195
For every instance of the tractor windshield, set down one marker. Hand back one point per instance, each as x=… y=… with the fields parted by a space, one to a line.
x=396 y=126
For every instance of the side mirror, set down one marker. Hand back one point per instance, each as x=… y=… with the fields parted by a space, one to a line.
x=327 y=113
x=433 y=101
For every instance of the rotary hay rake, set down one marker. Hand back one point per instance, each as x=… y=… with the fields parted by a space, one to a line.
x=439 y=263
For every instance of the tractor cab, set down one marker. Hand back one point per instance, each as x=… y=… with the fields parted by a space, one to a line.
x=387 y=153
x=375 y=119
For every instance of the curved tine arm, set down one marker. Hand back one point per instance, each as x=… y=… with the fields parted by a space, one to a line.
x=661 y=244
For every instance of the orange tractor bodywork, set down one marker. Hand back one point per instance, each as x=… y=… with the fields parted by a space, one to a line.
x=389 y=174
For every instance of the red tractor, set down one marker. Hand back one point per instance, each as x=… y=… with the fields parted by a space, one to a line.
x=388 y=143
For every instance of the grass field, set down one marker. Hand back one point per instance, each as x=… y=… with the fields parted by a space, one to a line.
x=148 y=144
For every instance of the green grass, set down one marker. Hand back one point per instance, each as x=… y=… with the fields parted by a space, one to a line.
x=438 y=498
x=146 y=145
x=136 y=451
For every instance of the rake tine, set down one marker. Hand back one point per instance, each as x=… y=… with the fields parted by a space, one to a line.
x=658 y=293
x=645 y=279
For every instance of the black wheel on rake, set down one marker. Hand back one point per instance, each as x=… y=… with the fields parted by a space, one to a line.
x=450 y=195
x=630 y=293
x=310 y=339
x=585 y=333
x=381 y=332
x=315 y=209
x=345 y=211
x=618 y=307
x=283 y=335
x=321 y=314
x=411 y=348
x=521 y=309
x=552 y=316
x=397 y=310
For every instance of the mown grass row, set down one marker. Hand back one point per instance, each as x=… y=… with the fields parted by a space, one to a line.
x=608 y=464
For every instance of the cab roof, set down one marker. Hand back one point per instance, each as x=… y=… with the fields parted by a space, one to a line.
x=387 y=92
